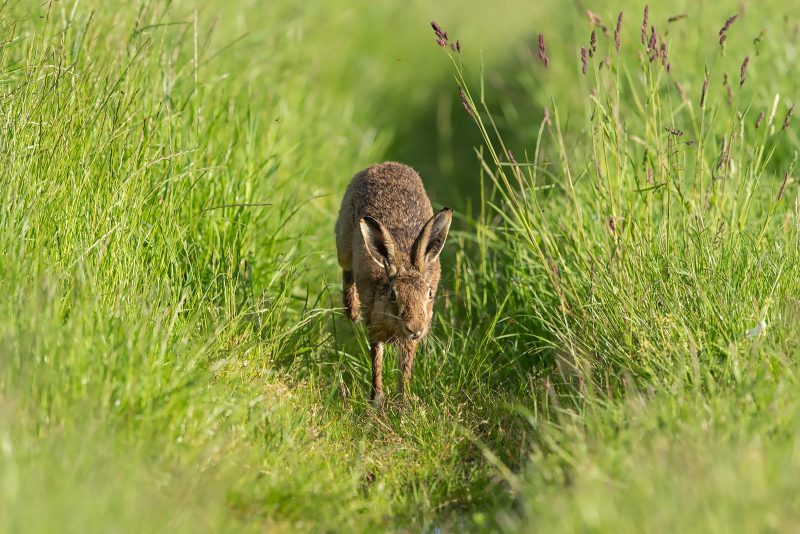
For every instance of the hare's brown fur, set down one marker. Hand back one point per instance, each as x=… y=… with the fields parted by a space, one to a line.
x=388 y=242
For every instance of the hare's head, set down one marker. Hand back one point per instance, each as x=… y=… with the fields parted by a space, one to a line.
x=403 y=303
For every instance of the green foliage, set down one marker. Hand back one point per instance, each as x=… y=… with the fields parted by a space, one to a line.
x=647 y=238
x=172 y=351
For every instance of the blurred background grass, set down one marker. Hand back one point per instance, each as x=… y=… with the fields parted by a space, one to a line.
x=173 y=357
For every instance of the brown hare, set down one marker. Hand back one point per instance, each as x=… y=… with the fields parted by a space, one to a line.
x=388 y=242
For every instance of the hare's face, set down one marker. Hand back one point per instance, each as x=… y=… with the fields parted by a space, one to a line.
x=403 y=303
x=406 y=305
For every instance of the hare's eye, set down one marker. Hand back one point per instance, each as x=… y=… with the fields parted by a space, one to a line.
x=392 y=294
x=430 y=292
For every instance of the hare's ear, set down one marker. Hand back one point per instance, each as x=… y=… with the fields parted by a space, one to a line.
x=379 y=244
x=430 y=241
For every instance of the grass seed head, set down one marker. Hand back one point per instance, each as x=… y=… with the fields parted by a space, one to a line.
x=728 y=89
x=759 y=120
x=724 y=30
x=783 y=185
x=583 y=60
x=728 y=24
x=704 y=92
x=465 y=103
x=617 y=31
x=441 y=35
x=743 y=72
x=644 y=24
x=723 y=153
x=594 y=19
x=543 y=51
x=788 y=119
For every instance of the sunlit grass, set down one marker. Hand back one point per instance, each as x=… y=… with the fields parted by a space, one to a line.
x=646 y=234
x=172 y=351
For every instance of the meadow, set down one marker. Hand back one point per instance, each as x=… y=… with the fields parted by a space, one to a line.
x=617 y=334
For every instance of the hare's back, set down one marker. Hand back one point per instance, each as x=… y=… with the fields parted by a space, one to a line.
x=393 y=194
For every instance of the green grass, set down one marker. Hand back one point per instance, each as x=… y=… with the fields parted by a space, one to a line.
x=173 y=354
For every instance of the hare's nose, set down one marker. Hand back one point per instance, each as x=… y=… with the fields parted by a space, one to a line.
x=413 y=333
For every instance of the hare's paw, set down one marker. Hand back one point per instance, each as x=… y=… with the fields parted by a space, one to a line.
x=353 y=310
x=377 y=399
x=351 y=302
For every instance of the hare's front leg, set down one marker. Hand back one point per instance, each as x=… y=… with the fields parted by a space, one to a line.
x=407 y=353
x=376 y=350
x=351 y=302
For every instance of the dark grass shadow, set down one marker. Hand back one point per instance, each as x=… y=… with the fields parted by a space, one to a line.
x=441 y=141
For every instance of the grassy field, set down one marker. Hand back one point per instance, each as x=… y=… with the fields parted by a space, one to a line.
x=617 y=335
